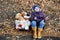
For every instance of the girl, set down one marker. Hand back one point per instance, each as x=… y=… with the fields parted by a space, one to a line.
x=37 y=21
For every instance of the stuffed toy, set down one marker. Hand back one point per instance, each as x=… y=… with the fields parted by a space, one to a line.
x=22 y=21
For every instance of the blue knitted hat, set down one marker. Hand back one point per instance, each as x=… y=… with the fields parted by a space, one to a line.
x=33 y=8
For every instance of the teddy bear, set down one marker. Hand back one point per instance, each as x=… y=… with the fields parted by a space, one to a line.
x=22 y=21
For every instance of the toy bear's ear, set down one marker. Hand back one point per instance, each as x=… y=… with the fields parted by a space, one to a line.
x=23 y=13
x=18 y=15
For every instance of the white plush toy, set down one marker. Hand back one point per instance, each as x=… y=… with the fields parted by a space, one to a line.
x=22 y=21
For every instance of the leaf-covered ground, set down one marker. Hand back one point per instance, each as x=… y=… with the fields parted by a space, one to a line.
x=9 y=8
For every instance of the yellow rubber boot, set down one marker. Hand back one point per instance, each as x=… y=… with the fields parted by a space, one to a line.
x=39 y=33
x=34 y=32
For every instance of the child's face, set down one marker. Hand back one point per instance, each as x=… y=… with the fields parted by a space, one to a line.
x=37 y=9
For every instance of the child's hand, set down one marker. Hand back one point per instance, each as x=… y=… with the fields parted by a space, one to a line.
x=43 y=20
x=35 y=18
